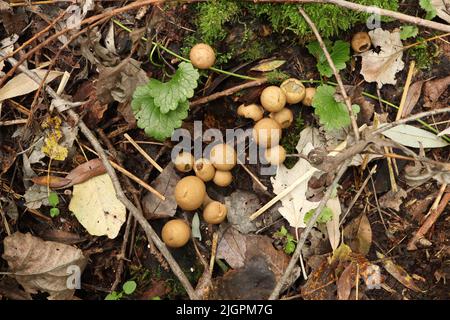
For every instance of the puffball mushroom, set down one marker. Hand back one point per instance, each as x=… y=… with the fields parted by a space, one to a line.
x=309 y=95
x=176 y=233
x=284 y=117
x=215 y=212
x=202 y=56
x=204 y=169
x=267 y=132
x=275 y=155
x=184 y=162
x=223 y=157
x=223 y=178
x=190 y=192
x=361 y=42
x=294 y=90
x=252 y=111
x=273 y=99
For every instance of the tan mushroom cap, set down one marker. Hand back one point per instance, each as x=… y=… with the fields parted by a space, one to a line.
x=204 y=169
x=284 y=117
x=273 y=99
x=276 y=155
x=294 y=90
x=184 y=161
x=202 y=56
x=223 y=178
x=176 y=233
x=215 y=212
x=251 y=111
x=223 y=157
x=190 y=192
x=361 y=42
x=267 y=132
x=309 y=96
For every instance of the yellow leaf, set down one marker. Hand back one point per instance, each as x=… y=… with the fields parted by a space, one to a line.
x=53 y=150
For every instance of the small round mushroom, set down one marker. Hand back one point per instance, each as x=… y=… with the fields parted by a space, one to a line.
x=309 y=95
x=176 y=233
x=267 y=132
x=202 y=56
x=223 y=157
x=361 y=42
x=215 y=212
x=204 y=169
x=273 y=99
x=275 y=155
x=284 y=117
x=251 y=111
x=184 y=161
x=223 y=178
x=294 y=90
x=190 y=192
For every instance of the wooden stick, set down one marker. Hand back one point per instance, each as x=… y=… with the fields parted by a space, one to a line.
x=128 y=174
x=405 y=90
x=12 y=122
x=253 y=176
x=144 y=154
x=213 y=251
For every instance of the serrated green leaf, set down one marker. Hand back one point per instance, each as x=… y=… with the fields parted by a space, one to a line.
x=54 y=212
x=340 y=54
x=407 y=32
x=332 y=114
x=429 y=8
x=289 y=247
x=168 y=95
x=325 y=216
x=53 y=199
x=129 y=287
x=150 y=118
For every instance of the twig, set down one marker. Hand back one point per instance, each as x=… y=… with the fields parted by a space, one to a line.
x=213 y=251
x=372 y=10
x=344 y=94
x=128 y=174
x=282 y=282
x=429 y=222
x=143 y=153
x=12 y=122
x=227 y=92
x=137 y=214
x=405 y=90
x=253 y=176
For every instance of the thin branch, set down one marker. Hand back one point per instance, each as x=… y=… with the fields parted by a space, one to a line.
x=348 y=103
x=137 y=214
x=284 y=279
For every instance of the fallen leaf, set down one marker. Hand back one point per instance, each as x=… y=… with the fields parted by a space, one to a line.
x=412 y=97
x=321 y=283
x=51 y=181
x=381 y=67
x=196 y=227
x=7 y=44
x=358 y=233
x=333 y=226
x=445 y=132
x=346 y=282
x=241 y=204
x=267 y=66
x=392 y=199
x=442 y=9
x=43 y=266
x=36 y=196
x=433 y=90
x=86 y=171
x=232 y=247
x=399 y=273
x=21 y=84
x=93 y=109
x=414 y=137
x=95 y=205
x=154 y=207
x=7 y=157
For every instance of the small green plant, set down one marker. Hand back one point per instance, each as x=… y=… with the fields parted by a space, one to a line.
x=332 y=114
x=325 y=216
x=160 y=107
x=53 y=200
x=339 y=52
x=407 y=32
x=429 y=8
x=290 y=139
x=289 y=241
x=128 y=288
x=424 y=53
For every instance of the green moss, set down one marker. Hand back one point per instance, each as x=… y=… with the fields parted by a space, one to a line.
x=290 y=139
x=276 y=76
x=425 y=54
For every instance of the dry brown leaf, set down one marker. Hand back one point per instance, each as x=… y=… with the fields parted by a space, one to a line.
x=232 y=247
x=412 y=97
x=442 y=8
x=346 y=282
x=399 y=273
x=359 y=234
x=433 y=90
x=51 y=181
x=43 y=265
x=392 y=199
x=86 y=171
x=241 y=204
x=381 y=67
x=154 y=207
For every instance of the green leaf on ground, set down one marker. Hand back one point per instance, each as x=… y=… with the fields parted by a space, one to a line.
x=340 y=54
x=407 y=32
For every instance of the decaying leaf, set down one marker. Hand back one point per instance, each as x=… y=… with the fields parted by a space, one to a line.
x=346 y=281
x=95 y=205
x=241 y=204
x=358 y=234
x=154 y=207
x=412 y=97
x=442 y=9
x=381 y=67
x=51 y=146
x=392 y=199
x=44 y=266
x=399 y=273
x=36 y=196
x=51 y=181
x=85 y=171
x=433 y=90
x=232 y=247
x=267 y=66
x=414 y=137
x=21 y=84
x=334 y=233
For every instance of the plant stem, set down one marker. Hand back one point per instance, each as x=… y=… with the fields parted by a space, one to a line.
x=176 y=55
